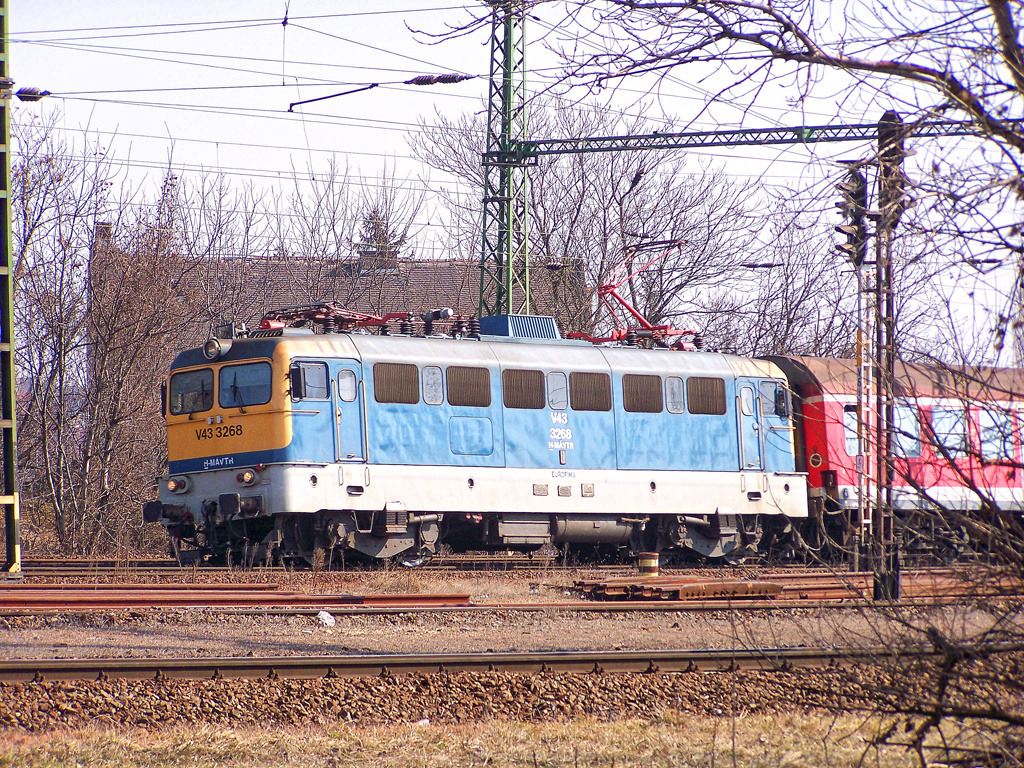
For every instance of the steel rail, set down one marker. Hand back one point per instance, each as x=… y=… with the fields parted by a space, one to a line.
x=619 y=606
x=703 y=660
x=69 y=599
x=72 y=567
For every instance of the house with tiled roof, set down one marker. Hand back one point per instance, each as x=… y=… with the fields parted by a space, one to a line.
x=243 y=290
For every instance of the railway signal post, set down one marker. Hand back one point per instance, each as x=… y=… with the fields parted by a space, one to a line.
x=886 y=551
x=854 y=208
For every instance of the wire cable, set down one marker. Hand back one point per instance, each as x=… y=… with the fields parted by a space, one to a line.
x=235 y=22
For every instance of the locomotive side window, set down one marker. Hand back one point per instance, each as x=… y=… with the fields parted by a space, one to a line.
x=674 y=395
x=705 y=395
x=433 y=385
x=347 y=385
x=310 y=381
x=590 y=391
x=996 y=435
x=908 y=431
x=747 y=400
x=774 y=399
x=192 y=391
x=558 y=391
x=522 y=389
x=242 y=385
x=396 y=383
x=641 y=393
x=949 y=431
x=469 y=386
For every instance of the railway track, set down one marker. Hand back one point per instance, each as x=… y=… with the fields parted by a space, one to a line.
x=90 y=567
x=771 y=659
x=684 y=591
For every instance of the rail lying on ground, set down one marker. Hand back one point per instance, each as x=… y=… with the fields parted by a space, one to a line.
x=778 y=659
x=42 y=597
x=916 y=584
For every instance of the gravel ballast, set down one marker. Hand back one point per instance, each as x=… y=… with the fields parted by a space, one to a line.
x=449 y=698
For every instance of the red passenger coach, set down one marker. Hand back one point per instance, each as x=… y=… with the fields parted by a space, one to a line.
x=957 y=441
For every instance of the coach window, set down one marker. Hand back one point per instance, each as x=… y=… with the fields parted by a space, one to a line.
x=433 y=385
x=590 y=391
x=191 y=391
x=908 y=431
x=558 y=391
x=396 y=383
x=674 y=395
x=850 y=430
x=949 y=432
x=242 y=385
x=705 y=395
x=469 y=386
x=522 y=389
x=996 y=435
x=347 y=385
x=641 y=393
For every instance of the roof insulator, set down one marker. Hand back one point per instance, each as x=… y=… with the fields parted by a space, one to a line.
x=438 y=79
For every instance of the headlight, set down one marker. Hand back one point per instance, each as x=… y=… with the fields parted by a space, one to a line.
x=178 y=484
x=214 y=348
x=246 y=477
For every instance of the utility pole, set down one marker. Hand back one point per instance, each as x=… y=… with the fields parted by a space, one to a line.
x=504 y=261
x=9 y=491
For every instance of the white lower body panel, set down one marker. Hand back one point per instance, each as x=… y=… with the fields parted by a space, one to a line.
x=541 y=491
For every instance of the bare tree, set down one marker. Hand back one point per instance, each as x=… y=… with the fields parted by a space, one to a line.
x=94 y=287
x=592 y=215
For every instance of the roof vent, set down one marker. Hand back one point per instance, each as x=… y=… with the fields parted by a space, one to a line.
x=520 y=326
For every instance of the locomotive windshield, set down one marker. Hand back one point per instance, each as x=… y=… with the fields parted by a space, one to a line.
x=242 y=385
x=191 y=391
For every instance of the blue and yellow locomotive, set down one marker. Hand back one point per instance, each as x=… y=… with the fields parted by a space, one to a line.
x=494 y=435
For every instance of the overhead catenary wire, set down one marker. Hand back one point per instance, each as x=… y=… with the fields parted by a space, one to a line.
x=230 y=22
x=118 y=50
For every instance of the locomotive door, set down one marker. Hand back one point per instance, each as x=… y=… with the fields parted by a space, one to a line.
x=348 y=412
x=751 y=448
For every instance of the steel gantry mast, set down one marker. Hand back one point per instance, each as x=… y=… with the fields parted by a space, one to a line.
x=504 y=263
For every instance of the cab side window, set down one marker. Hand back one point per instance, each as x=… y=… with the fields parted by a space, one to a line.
x=310 y=381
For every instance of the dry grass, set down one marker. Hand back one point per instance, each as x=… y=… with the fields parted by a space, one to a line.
x=786 y=741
